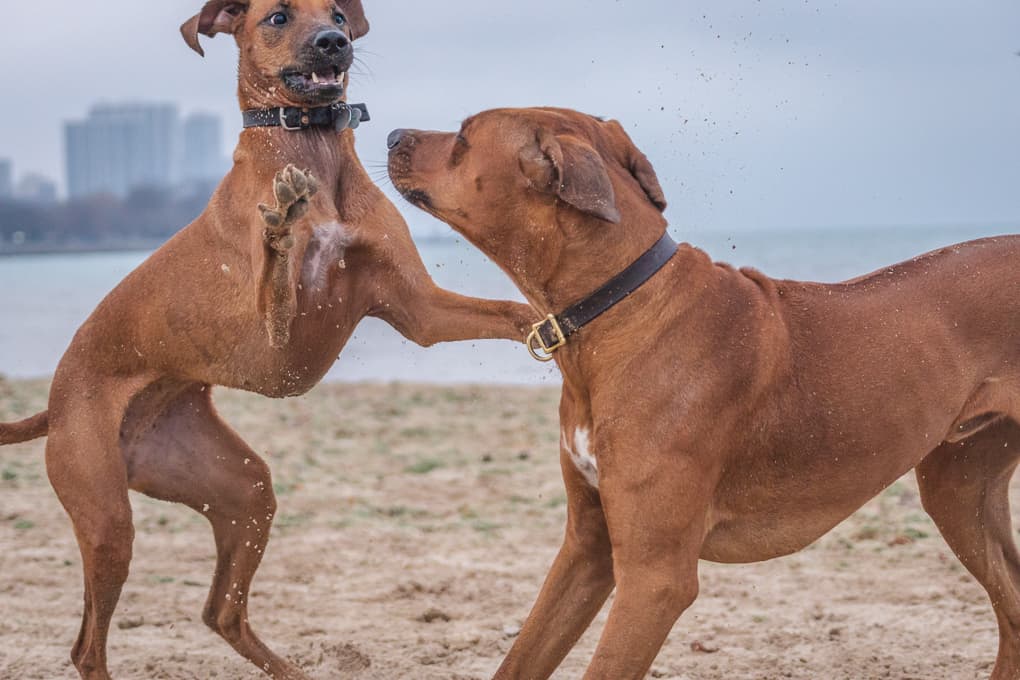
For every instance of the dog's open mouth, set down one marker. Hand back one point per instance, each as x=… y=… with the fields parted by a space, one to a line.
x=322 y=83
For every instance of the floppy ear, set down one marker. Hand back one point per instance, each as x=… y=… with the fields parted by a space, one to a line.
x=641 y=168
x=574 y=171
x=218 y=16
x=644 y=173
x=356 y=19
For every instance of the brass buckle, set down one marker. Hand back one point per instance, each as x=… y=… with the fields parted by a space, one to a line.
x=285 y=125
x=541 y=351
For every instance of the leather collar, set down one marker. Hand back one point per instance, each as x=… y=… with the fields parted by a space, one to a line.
x=339 y=116
x=550 y=334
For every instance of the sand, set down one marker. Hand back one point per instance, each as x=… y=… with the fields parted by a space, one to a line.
x=415 y=526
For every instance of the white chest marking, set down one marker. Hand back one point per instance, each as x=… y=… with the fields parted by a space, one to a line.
x=325 y=250
x=579 y=448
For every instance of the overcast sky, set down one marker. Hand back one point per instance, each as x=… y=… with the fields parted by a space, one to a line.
x=783 y=113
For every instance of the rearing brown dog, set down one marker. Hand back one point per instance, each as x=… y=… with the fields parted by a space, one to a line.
x=249 y=297
x=719 y=414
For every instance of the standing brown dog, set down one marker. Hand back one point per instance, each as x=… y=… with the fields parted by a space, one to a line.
x=719 y=414
x=255 y=298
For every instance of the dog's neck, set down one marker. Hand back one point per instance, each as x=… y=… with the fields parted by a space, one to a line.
x=674 y=297
x=554 y=276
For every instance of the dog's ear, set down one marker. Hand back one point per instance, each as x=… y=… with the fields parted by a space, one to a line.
x=641 y=168
x=644 y=173
x=574 y=171
x=218 y=16
x=356 y=19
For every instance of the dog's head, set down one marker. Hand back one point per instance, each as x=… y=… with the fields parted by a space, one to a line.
x=293 y=52
x=526 y=175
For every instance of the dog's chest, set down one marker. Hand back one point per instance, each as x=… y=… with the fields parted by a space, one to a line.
x=578 y=445
x=324 y=256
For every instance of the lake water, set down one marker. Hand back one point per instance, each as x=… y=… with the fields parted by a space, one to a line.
x=43 y=299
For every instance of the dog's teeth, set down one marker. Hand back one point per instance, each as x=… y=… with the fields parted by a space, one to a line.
x=315 y=78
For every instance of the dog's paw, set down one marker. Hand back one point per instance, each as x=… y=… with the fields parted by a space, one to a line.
x=293 y=189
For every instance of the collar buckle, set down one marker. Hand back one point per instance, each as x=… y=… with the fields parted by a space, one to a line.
x=546 y=337
x=551 y=333
x=284 y=122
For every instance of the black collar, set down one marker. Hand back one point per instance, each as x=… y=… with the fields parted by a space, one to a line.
x=550 y=334
x=337 y=116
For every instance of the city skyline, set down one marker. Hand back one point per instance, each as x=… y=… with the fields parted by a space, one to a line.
x=120 y=147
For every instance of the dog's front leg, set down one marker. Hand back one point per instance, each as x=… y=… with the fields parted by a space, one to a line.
x=578 y=584
x=656 y=548
x=293 y=190
x=435 y=315
x=426 y=314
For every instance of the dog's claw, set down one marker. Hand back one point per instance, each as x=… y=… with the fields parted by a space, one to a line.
x=292 y=188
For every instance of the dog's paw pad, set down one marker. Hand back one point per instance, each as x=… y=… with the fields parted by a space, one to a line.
x=285 y=193
x=313 y=184
x=272 y=218
x=292 y=189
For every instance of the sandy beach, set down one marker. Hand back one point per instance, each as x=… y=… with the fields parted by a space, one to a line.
x=415 y=526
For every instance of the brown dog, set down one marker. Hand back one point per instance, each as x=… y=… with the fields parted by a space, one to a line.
x=719 y=414
x=259 y=301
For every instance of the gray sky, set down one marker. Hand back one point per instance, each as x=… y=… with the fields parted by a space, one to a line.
x=785 y=113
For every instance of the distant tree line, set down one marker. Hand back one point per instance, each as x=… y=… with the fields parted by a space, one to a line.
x=147 y=217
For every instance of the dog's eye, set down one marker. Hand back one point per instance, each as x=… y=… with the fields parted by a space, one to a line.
x=340 y=19
x=278 y=19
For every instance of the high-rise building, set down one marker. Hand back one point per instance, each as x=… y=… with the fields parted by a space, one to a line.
x=202 y=158
x=6 y=179
x=37 y=189
x=121 y=147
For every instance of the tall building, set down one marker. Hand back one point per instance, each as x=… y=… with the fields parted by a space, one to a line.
x=37 y=189
x=121 y=147
x=6 y=179
x=202 y=159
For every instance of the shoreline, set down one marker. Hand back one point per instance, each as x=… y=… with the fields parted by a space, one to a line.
x=146 y=246
x=686 y=233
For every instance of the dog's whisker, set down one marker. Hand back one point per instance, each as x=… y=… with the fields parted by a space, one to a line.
x=364 y=67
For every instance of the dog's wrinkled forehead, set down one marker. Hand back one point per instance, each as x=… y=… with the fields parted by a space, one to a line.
x=515 y=124
x=581 y=151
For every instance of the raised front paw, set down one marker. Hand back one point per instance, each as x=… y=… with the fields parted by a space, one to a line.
x=293 y=189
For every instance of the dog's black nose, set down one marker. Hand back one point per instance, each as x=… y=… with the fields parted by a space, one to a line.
x=395 y=138
x=331 y=42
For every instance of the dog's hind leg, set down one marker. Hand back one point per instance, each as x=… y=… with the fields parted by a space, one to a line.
x=965 y=489
x=86 y=469
x=192 y=457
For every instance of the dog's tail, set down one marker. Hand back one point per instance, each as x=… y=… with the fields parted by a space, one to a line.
x=25 y=431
